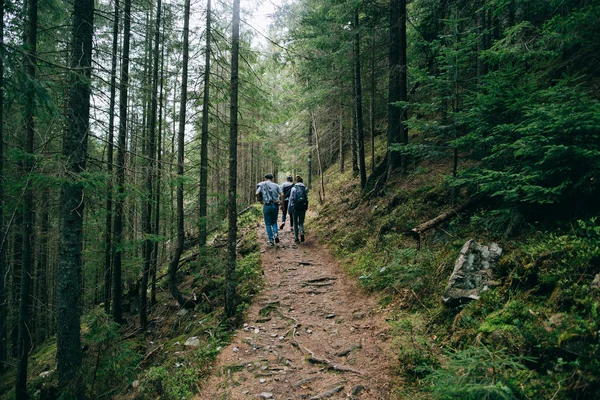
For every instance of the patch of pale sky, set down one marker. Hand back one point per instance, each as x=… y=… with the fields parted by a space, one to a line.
x=257 y=15
x=263 y=17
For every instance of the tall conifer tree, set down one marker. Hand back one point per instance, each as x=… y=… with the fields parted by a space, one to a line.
x=68 y=354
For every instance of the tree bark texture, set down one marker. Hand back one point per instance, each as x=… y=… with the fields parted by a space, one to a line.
x=109 y=249
x=360 y=132
x=397 y=133
x=158 y=172
x=150 y=147
x=24 y=338
x=230 y=275
x=120 y=196
x=341 y=139
x=174 y=263
x=203 y=196
x=309 y=162
x=68 y=354
x=3 y=233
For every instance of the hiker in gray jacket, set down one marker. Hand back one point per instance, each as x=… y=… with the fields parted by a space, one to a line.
x=270 y=194
x=298 y=204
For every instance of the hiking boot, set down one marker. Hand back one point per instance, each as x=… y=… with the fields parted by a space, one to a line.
x=296 y=240
x=282 y=225
x=302 y=237
x=276 y=239
x=270 y=243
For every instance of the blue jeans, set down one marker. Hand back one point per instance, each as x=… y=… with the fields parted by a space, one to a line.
x=270 y=213
x=298 y=222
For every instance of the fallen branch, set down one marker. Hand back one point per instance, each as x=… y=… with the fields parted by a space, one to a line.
x=149 y=355
x=418 y=230
x=328 y=364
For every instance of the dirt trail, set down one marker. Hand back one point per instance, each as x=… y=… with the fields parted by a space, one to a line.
x=311 y=334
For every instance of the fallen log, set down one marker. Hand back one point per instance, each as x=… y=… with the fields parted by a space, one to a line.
x=418 y=230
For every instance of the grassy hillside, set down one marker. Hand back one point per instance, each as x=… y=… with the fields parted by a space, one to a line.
x=532 y=336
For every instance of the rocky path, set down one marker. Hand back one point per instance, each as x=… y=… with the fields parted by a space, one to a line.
x=311 y=334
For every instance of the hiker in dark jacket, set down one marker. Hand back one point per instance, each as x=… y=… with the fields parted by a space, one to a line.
x=286 y=188
x=298 y=204
x=271 y=196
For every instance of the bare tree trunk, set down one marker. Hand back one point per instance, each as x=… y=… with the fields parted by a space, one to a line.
x=353 y=136
x=42 y=276
x=203 y=196
x=397 y=134
x=314 y=123
x=174 y=263
x=120 y=198
x=341 y=138
x=150 y=147
x=360 y=133
x=372 y=106
x=309 y=172
x=68 y=354
x=158 y=173
x=3 y=232
x=230 y=274
x=24 y=340
x=108 y=251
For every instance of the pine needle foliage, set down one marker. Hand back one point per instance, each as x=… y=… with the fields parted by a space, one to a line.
x=477 y=373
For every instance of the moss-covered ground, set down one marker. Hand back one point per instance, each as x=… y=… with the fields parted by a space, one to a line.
x=535 y=335
x=127 y=363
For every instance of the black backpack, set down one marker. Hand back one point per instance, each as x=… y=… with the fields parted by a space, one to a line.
x=301 y=198
x=286 y=191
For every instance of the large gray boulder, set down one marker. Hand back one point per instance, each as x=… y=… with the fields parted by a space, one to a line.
x=472 y=272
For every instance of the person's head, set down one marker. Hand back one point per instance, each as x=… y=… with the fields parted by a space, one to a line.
x=289 y=178
x=269 y=177
x=298 y=179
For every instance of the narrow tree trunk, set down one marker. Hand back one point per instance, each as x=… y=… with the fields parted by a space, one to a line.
x=353 y=136
x=68 y=354
x=314 y=123
x=24 y=339
x=120 y=197
x=309 y=172
x=341 y=139
x=159 y=170
x=174 y=263
x=17 y=263
x=372 y=106
x=3 y=232
x=150 y=147
x=230 y=274
x=42 y=276
x=397 y=135
x=360 y=133
x=108 y=250
x=203 y=198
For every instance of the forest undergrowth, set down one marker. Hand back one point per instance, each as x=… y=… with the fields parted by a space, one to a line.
x=127 y=363
x=533 y=335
